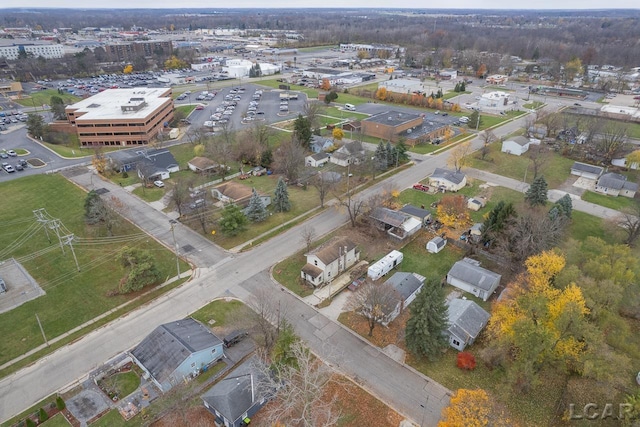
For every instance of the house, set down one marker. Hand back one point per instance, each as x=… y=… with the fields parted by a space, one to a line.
x=397 y=224
x=466 y=320
x=351 y=153
x=586 y=171
x=538 y=131
x=421 y=214
x=407 y=286
x=236 y=398
x=447 y=179
x=326 y=262
x=468 y=276
x=320 y=144
x=202 y=165
x=476 y=203
x=517 y=145
x=149 y=164
x=239 y=194
x=316 y=160
x=615 y=184
x=436 y=244
x=177 y=351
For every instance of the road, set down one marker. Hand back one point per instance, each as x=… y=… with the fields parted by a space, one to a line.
x=221 y=274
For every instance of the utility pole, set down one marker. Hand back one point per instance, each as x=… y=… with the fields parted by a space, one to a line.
x=42 y=330
x=175 y=242
x=68 y=240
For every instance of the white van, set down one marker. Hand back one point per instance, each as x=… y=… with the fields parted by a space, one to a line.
x=349 y=107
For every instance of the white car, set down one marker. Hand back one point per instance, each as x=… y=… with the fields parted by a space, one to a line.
x=158 y=184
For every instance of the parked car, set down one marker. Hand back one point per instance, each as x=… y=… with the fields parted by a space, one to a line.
x=23 y=163
x=158 y=183
x=200 y=107
x=7 y=167
x=197 y=204
x=12 y=153
x=4 y=155
x=19 y=167
x=421 y=187
x=234 y=338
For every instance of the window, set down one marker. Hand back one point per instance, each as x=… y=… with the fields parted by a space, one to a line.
x=193 y=365
x=456 y=342
x=315 y=262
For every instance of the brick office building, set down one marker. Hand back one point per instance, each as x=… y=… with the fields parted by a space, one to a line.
x=121 y=116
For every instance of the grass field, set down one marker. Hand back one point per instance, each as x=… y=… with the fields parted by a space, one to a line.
x=556 y=169
x=57 y=420
x=72 y=297
x=43 y=97
x=612 y=202
x=220 y=311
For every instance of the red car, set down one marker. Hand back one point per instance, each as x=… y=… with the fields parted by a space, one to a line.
x=200 y=107
x=421 y=187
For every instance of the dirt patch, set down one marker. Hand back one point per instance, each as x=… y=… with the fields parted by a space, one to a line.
x=36 y=163
x=382 y=335
x=196 y=416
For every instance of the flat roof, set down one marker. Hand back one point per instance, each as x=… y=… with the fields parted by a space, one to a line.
x=107 y=105
x=392 y=118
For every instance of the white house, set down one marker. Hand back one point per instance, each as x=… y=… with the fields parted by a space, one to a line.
x=436 y=244
x=466 y=320
x=447 y=179
x=326 y=262
x=407 y=286
x=316 y=160
x=467 y=275
x=349 y=154
x=586 y=171
x=615 y=184
x=517 y=145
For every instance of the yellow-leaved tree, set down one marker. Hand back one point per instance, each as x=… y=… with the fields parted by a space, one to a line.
x=472 y=408
x=128 y=69
x=338 y=134
x=381 y=94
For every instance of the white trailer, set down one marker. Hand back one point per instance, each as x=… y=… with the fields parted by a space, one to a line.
x=382 y=267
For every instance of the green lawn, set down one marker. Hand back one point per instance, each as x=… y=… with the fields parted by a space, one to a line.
x=43 y=97
x=57 y=420
x=533 y=105
x=186 y=109
x=343 y=114
x=21 y=152
x=584 y=225
x=617 y=203
x=72 y=297
x=311 y=93
x=556 y=169
x=114 y=419
x=219 y=312
x=453 y=94
x=121 y=385
x=150 y=194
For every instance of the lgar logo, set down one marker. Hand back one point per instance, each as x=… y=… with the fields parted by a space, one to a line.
x=593 y=411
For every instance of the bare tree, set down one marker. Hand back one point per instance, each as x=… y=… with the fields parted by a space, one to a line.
x=301 y=389
x=487 y=138
x=538 y=155
x=323 y=186
x=308 y=234
x=629 y=221
x=353 y=206
x=221 y=152
x=374 y=302
x=268 y=314
x=312 y=112
x=289 y=159
x=179 y=195
x=261 y=133
x=612 y=139
x=459 y=156
x=195 y=135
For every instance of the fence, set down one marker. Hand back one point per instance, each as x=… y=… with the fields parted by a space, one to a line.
x=217 y=181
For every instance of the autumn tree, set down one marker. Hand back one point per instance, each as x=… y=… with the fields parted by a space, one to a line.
x=174 y=63
x=466 y=361
x=281 y=202
x=536 y=195
x=128 y=69
x=452 y=211
x=381 y=94
x=459 y=156
x=633 y=159
x=482 y=71
x=424 y=331
x=99 y=161
x=472 y=408
x=337 y=134
x=375 y=302
x=572 y=69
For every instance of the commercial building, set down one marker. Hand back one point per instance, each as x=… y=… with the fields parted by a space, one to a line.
x=121 y=116
x=12 y=49
x=128 y=51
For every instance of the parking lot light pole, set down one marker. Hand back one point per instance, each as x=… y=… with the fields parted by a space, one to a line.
x=175 y=242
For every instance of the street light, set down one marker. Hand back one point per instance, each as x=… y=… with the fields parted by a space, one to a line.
x=175 y=242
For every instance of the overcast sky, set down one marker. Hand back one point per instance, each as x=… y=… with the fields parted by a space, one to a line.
x=419 y=4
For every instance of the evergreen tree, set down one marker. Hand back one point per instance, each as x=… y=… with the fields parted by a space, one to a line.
x=497 y=220
x=302 y=130
x=233 y=221
x=401 y=152
x=475 y=121
x=536 y=195
x=391 y=155
x=281 y=201
x=36 y=125
x=93 y=208
x=380 y=156
x=424 y=330
x=266 y=158
x=463 y=87
x=256 y=211
x=565 y=206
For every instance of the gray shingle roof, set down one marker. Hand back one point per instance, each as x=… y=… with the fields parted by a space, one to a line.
x=520 y=140
x=469 y=272
x=439 y=242
x=405 y=283
x=466 y=318
x=612 y=180
x=334 y=248
x=584 y=167
x=232 y=396
x=168 y=345
x=389 y=216
x=449 y=175
x=415 y=211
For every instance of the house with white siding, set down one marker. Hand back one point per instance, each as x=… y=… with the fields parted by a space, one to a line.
x=328 y=261
x=467 y=275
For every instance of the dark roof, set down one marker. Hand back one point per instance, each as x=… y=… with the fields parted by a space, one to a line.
x=470 y=272
x=389 y=216
x=438 y=241
x=405 y=283
x=392 y=118
x=449 y=175
x=319 y=156
x=333 y=249
x=233 y=396
x=164 y=349
x=416 y=212
x=466 y=318
x=161 y=159
x=584 y=167
x=353 y=148
x=311 y=270
x=612 y=180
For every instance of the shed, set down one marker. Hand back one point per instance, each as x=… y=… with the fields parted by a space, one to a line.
x=586 y=171
x=436 y=244
x=317 y=159
x=202 y=164
x=476 y=203
x=517 y=145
